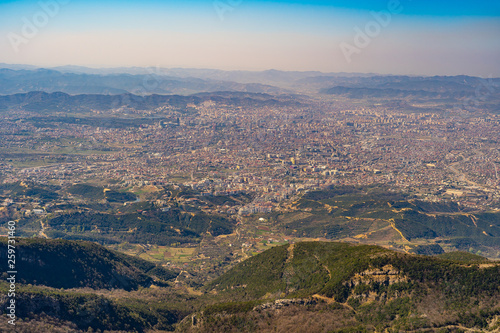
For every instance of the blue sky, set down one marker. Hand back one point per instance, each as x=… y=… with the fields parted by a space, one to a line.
x=422 y=37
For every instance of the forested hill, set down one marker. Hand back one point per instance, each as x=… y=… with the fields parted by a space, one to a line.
x=355 y=288
x=70 y=264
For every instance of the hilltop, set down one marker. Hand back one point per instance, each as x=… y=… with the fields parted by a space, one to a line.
x=324 y=287
x=69 y=264
x=74 y=285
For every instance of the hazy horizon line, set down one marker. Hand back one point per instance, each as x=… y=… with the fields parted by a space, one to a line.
x=104 y=67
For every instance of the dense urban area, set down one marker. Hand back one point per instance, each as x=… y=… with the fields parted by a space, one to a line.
x=251 y=203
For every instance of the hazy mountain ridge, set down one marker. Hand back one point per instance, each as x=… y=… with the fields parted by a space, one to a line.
x=382 y=93
x=136 y=80
x=48 y=80
x=38 y=101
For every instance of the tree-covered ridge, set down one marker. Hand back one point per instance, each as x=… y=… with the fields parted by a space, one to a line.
x=383 y=289
x=154 y=227
x=70 y=264
x=324 y=267
x=81 y=311
x=461 y=256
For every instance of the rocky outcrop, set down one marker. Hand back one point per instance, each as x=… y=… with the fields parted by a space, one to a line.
x=386 y=275
x=280 y=303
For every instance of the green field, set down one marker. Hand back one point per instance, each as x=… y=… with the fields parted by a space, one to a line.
x=155 y=253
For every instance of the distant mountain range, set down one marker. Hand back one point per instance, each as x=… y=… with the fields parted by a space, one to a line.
x=147 y=81
x=38 y=101
x=85 y=89
x=354 y=92
x=272 y=76
x=47 y=80
x=390 y=86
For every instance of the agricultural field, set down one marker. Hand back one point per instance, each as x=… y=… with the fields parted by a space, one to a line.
x=156 y=253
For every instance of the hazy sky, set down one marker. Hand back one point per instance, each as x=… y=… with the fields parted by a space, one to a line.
x=407 y=37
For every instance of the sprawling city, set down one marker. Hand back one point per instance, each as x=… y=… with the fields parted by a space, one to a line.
x=363 y=197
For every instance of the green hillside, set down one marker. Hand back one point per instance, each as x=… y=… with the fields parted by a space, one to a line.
x=324 y=267
x=374 y=212
x=87 y=191
x=39 y=307
x=69 y=264
x=371 y=288
x=153 y=227
x=465 y=257
x=54 y=281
